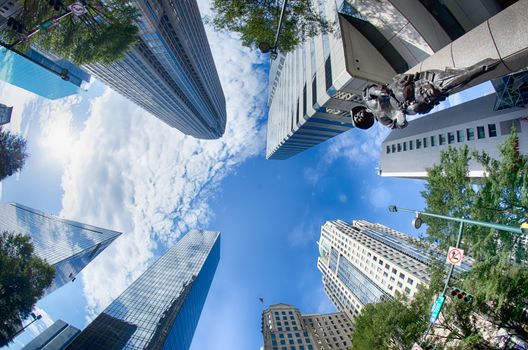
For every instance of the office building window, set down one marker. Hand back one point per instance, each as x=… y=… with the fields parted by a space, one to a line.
x=470 y=133
x=432 y=141
x=328 y=73
x=388 y=149
x=405 y=146
x=480 y=132
x=418 y=143
x=441 y=139
x=399 y=147
x=492 y=130
x=425 y=143
x=393 y=148
x=450 y=138
x=314 y=90
x=460 y=135
x=411 y=145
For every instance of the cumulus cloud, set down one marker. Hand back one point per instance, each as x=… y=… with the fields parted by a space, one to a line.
x=133 y=173
x=20 y=100
x=39 y=326
x=379 y=197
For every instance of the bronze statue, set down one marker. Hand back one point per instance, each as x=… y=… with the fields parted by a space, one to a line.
x=410 y=94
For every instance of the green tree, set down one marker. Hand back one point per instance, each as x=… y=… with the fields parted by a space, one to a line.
x=397 y=323
x=104 y=34
x=500 y=197
x=12 y=153
x=257 y=21
x=23 y=279
x=498 y=279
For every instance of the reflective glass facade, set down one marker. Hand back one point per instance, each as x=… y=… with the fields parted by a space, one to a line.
x=67 y=245
x=160 y=310
x=171 y=72
x=42 y=77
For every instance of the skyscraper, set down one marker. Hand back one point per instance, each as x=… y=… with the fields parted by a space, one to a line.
x=363 y=263
x=284 y=327
x=171 y=72
x=44 y=75
x=55 y=337
x=409 y=152
x=160 y=310
x=67 y=245
x=5 y=114
x=313 y=88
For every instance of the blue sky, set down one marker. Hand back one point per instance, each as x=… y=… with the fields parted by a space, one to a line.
x=99 y=159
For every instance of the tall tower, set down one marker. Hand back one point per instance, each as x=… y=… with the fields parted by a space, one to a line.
x=171 y=72
x=66 y=245
x=363 y=263
x=313 y=88
x=284 y=327
x=160 y=310
x=409 y=152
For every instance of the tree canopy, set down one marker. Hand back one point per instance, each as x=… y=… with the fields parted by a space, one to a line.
x=498 y=279
x=12 y=153
x=104 y=34
x=257 y=21
x=23 y=279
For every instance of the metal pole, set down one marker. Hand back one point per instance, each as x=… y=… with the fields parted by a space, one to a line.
x=274 y=47
x=446 y=285
x=466 y=221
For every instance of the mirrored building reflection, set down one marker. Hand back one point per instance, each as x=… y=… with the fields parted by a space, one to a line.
x=66 y=245
x=161 y=309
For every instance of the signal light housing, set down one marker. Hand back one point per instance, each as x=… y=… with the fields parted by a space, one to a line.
x=462 y=295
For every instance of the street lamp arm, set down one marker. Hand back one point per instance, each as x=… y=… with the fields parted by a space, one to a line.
x=499 y=227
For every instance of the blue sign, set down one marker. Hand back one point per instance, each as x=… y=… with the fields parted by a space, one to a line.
x=435 y=311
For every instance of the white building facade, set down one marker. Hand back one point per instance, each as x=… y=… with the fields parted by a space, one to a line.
x=409 y=152
x=313 y=88
x=363 y=263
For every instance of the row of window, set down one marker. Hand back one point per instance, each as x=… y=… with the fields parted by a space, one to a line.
x=452 y=137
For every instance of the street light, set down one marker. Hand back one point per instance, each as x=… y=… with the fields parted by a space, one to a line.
x=266 y=47
x=417 y=223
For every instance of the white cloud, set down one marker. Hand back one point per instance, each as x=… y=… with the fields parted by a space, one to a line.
x=39 y=326
x=379 y=197
x=19 y=99
x=133 y=173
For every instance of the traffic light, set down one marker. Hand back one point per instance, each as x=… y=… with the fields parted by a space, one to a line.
x=461 y=295
x=15 y=25
x=57 y=5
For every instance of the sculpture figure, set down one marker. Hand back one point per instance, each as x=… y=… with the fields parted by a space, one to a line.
x=410 y=94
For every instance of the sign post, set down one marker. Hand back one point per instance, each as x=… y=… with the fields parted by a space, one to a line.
x=416 y=347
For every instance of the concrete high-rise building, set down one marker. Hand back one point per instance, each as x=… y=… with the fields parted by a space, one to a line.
x=55 y=337
x=5 y=114
x=160 y=310
x=313 y=88
x=171 y=72
x=363 y=263
x=66 y=245
x=409 y=152
x=284 y=327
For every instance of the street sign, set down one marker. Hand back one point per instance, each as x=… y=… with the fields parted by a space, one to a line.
x=77 y=9
x=454 y=256
x=416 y=347
x=435 y=311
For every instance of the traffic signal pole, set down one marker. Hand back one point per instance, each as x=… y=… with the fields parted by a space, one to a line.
x=522 y=229
x=446 y=285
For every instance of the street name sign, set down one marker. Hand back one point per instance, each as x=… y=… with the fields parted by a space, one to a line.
x=454 y=256
x=435 y=311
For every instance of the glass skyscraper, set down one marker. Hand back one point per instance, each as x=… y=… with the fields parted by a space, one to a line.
x=171 y=72
x=160 y=310
x=41 y=74
x=67 y=245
